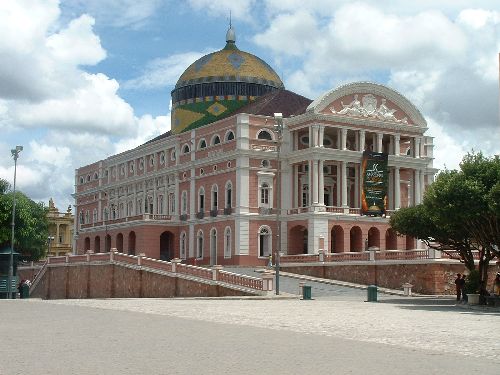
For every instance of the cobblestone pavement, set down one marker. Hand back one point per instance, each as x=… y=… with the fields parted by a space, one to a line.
x=242 y=336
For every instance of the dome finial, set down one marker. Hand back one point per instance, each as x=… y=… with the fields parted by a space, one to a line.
x=230 y=35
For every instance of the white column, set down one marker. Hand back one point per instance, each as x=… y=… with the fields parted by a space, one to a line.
x=361 y=140
x=311 y=136
x=155 y=198
x=344 y=183
x=343 y=133
x=321 y=135
x=379 y=142
x=296 y=186
x=321 y=184
x=311 y=183
x=396 y=144
x=315 y=182
x=391 y=189
x=417 y=147
x=339 y=140
x=422 y=186
x=357 y=202
x=417 y=186
x=338 y=185
x=397 y=189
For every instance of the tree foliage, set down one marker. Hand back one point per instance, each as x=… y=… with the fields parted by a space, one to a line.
x=460 y=211
x=31 y=229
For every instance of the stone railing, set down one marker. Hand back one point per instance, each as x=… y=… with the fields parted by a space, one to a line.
x=214 y=274
x=145 y=216
x=363 y=256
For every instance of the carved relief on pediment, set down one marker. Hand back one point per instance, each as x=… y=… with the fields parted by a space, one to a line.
x=368 y=106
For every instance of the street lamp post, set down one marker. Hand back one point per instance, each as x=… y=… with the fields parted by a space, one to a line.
x=278 y=127
x=49 y=240
x=15 y=154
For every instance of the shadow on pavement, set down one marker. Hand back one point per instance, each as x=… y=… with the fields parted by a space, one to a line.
x=440 y=304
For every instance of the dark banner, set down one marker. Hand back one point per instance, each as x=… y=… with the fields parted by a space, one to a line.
x=375 y=177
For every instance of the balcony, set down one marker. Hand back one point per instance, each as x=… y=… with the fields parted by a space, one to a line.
x=214 y=212
x=200 y=215
x=183 y=217
x=228 y=211
x=128 y=219
x=266 y=211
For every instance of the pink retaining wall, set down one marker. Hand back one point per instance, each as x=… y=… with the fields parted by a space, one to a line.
x=427 y=278
x=114 y=281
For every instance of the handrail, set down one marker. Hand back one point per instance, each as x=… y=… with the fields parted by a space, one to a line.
x=215 y=274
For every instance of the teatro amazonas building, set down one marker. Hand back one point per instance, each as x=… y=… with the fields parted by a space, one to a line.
x=249 y=168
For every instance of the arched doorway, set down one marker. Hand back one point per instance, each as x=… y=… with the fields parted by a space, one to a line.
x=356 y=239
x=97 y=244
x=107 y=243
x=265 y=242
x=166 y=246
x=391 y=240
x=119 y=242
x=131 y=243
x=297 y=240
x=374 y=237
x=410 y=243
x=337 y=235
x=87 y=243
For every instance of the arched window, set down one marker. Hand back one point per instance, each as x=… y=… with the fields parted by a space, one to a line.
x=227 y=242
x=87 y=218
x=264 y=134
x=229 y=195
x=201 y=200
x=82 y=220
x=265 y=241
x=215 y=198
x=183 y=245
x=105 y=213
x=215 y=140
x=264 y=194
x=229 y=136
x=202 y=144
x=186 y=149
x=199 y=247
x=213 y=246
x=184 y=202
x=94 y=216
x=139 y=207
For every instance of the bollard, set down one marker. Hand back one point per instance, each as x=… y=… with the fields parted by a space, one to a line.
x=306 y=292
x=301 y=287
x=372 y=293
x=407 y=289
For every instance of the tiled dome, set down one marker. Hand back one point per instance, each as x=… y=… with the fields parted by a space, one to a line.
x=217 y=84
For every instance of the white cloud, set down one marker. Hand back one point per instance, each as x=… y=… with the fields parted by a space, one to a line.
x=94 y=106
x=239 y=8
x=118 y=13
x=77 y=44
x=163 y=72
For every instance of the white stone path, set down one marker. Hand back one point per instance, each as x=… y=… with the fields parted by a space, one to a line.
x=445 y=329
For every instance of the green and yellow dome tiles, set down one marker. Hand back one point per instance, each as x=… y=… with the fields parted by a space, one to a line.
x=218 y=84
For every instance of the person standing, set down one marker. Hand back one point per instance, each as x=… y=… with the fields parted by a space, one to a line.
x=462 y=287
x=458 y=286
x=496 y=285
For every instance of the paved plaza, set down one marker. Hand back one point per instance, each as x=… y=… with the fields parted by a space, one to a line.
x=336 y=333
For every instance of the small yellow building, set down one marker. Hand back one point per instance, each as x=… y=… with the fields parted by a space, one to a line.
x=61 y=225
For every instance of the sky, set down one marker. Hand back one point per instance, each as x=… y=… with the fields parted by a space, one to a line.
x=81 y=80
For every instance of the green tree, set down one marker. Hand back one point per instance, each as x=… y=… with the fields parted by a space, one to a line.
x=461 y=212
x=31 y=229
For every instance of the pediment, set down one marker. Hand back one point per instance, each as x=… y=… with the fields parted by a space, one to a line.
x=365 y=100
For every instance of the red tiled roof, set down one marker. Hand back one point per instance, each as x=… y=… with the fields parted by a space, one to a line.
x=279 y=101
